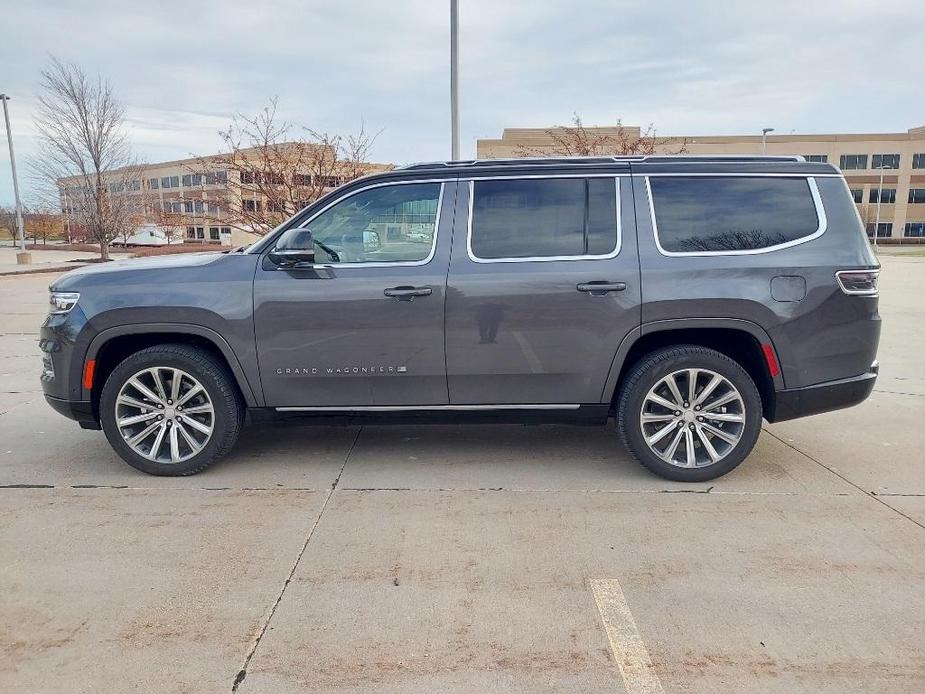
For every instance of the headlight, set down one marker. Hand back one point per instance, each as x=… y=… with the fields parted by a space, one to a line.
x=62 y=302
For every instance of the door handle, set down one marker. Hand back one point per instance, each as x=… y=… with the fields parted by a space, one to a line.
x=405 y=293
x=600 y=287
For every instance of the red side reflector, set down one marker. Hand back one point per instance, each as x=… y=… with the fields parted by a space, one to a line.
x=769 y=357
x=89 y=368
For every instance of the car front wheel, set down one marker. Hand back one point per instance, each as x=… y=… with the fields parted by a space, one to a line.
x=689 y=413
x=171 y=410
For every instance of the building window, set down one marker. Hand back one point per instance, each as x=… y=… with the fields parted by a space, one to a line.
x=883 y=229
x=817 y=158
x=187 y=205
x=300 y=179
x=885 y=161
x=918 y=161
x=251 y=205
x=176 y=207
x=216 y=177
x=190 y=232
x=915 y=229
x=857 y=194
x=186 y=180
x=197 y=206
x=213 y=233
x=152 y=184
x=721 y=214
x=200 y=232
x=853 y=161
x=213 y=208
x=887 y=195
x=542 y=218
x=917 y=195
x=226 y=230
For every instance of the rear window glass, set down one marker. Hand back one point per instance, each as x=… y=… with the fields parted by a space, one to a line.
x=536 y=218
x=731 y=214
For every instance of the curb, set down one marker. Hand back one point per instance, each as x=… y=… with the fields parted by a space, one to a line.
x=39 y=270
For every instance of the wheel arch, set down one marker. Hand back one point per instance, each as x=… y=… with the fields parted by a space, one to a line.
x=738 y=339
x=113 y=345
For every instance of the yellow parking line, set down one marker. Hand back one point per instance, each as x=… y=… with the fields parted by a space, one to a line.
x=625 y=642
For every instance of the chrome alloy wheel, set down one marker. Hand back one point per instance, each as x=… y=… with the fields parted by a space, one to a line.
x=164 y=414
x=693 y=418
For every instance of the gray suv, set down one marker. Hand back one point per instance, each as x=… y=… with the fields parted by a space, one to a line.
x=687 y=297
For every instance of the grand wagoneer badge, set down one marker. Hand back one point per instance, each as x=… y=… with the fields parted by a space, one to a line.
x=341 y=371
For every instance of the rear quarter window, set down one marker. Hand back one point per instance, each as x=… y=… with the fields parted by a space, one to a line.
x=731 y=214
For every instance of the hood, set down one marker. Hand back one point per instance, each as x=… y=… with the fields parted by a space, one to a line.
x=106 y=272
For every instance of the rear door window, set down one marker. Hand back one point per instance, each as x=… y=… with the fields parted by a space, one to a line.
x=544 y=219
x=732 y=214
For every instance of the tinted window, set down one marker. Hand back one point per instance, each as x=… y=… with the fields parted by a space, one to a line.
x=544 y=218
x=731 y=214
x=385 y=224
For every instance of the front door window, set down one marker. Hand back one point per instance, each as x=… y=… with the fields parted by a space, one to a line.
x=386 y=224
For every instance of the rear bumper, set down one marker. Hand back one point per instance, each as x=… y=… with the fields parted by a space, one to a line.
x=823 y=397
x=79 y=410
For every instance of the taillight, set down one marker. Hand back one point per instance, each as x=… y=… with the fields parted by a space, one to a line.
x=862 y=282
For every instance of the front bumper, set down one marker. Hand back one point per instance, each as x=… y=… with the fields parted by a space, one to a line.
x=80 y=411
x=823 y=397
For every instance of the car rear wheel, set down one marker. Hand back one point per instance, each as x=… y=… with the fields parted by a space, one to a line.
x=171 y=410
x=689 y=413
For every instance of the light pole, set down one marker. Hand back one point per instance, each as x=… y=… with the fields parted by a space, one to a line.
x=454 y=79
x=22 y=258
x=764 y=139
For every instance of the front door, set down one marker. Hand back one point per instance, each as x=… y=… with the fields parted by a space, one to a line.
x=363 y=327
x=544 y=284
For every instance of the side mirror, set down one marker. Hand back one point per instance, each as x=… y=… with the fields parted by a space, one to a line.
x=294 y=247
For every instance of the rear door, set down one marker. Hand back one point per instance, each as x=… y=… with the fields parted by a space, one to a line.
x=543 y=285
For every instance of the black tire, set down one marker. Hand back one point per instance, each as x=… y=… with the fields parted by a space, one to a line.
x=215 y=379
x=647 y=372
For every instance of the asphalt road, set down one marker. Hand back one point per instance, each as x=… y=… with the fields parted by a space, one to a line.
x=481 y=558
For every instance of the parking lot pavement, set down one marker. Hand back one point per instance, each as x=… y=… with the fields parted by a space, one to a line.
x=480 y=558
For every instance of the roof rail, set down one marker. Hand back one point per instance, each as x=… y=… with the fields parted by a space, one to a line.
x=592 y=161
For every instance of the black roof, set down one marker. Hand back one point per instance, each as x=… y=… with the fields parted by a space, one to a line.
x=638 y=163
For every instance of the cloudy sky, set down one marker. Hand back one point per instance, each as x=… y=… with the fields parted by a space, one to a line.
x=183 y=69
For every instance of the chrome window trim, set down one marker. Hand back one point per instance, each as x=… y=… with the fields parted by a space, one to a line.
x=429 y=408
x=817 y=201
x=264 y=243
x=545 y=258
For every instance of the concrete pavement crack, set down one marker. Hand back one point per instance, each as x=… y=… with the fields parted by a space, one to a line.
x=871 y=495
x=242 y=673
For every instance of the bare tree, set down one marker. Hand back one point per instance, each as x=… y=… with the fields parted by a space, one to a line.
x=84 y=157
x=274 y=169
x=8 y=222
x=578 y=140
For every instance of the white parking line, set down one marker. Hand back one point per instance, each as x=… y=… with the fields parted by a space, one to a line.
x=625 y=642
